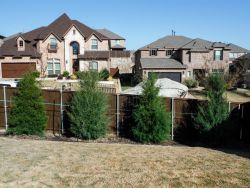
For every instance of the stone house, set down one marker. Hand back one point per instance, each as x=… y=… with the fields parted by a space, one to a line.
x=180 y=58
x=63 y=45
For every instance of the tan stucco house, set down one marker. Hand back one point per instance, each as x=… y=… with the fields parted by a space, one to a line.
x=180 y=57
x=63 y=45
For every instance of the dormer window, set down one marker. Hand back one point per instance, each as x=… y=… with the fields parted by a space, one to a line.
x=94 y=44
x=53 y=43
x=21 y=43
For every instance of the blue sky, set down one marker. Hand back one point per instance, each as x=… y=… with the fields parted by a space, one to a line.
x=139 y=21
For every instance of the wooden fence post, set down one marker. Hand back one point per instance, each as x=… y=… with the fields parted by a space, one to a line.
x=172 y=117
x=117 y=113
x=61 y=109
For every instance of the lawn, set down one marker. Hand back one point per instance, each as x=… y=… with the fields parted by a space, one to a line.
x=40 y=163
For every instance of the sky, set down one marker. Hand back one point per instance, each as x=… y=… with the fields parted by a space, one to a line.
x=139 y=21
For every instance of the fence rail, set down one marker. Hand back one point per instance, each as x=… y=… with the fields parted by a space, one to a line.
x=119 y=111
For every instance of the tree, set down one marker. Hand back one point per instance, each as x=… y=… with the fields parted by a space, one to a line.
x=152 y=122
x=215 y=111
x=28 y=114
x=88 y=108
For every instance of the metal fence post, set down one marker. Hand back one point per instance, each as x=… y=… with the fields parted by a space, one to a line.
x=117 y=113
x=5 y=108
x=61 y=109
x=172 y=109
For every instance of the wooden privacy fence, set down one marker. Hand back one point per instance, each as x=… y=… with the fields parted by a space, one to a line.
x=119 y=111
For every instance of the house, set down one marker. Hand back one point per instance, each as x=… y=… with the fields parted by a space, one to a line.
x=63 y=45
x=1 y=40
x=180 y=58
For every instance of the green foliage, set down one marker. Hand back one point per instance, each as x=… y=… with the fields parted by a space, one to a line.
x=152 y=122
x=28 y=114
x=36 y=74
x=104 y=74
x=65 y=74
x=216 y=111
x=191 y=83
x=88 y=108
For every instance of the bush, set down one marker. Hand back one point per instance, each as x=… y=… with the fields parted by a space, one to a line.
x=191 y=83
x=36 y=74
x=88 y=108
x=27 y=114
x=152 y=122
x=104 y=74
x=65 y=74
x=213 y=114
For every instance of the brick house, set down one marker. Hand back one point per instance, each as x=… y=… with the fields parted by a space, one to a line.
x=63 y=45
x=180 y=57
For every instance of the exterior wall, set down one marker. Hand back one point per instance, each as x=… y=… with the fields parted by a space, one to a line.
x=124 y=64
x=84 y=65
x=121 y=43
x=70 y=37
x=19 y=60
x=160 y=54
x=43 y=49
x=102 y=45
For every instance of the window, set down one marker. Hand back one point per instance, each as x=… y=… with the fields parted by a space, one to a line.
x=233 y=55
x=53 y=43
x=152 y=52
x=93 y=66
x=117 y=42
x=74 y=31
x=169 y=52
x=75 y=47
x=54 y=66
x=94 y=44
x=218 y=55
x=188 y=73
x=21 y=43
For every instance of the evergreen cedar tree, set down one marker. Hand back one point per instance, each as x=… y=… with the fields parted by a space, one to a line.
x=28 y=114
x=215 y=112
x=152 y=122
x=88 y=108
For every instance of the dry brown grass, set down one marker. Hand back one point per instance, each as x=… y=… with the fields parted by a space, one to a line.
x=40 y=163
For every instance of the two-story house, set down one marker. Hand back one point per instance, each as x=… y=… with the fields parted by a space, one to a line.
x=180 y=58
x=63 y=45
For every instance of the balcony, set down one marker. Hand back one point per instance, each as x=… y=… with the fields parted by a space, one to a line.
x=52 y=48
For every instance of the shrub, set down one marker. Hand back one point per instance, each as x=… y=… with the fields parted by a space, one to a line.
x=88 y=108
x=191 y=83
x=27 y=114
x=36 y=74
x=104 y=74
x=65 y=74
x=213 y=114
x=152 y=122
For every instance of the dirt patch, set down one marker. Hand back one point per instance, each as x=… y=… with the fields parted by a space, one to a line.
x=41 y=163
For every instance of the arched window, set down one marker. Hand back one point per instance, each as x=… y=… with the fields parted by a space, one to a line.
x=93 y=66
x=75 y=47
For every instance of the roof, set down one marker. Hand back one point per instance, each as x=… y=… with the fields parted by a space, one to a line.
x=161 y=63
x=244 y=57
x=198 y=45
x=59 y=28
x=117 y=46
x=168 y=42
x=237 y=49
x=110 y=34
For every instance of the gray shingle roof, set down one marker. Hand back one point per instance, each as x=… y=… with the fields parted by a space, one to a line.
x=110 y=34
x=198 y=45
x=237 y=49
x=168 y=42
x=161 y=63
